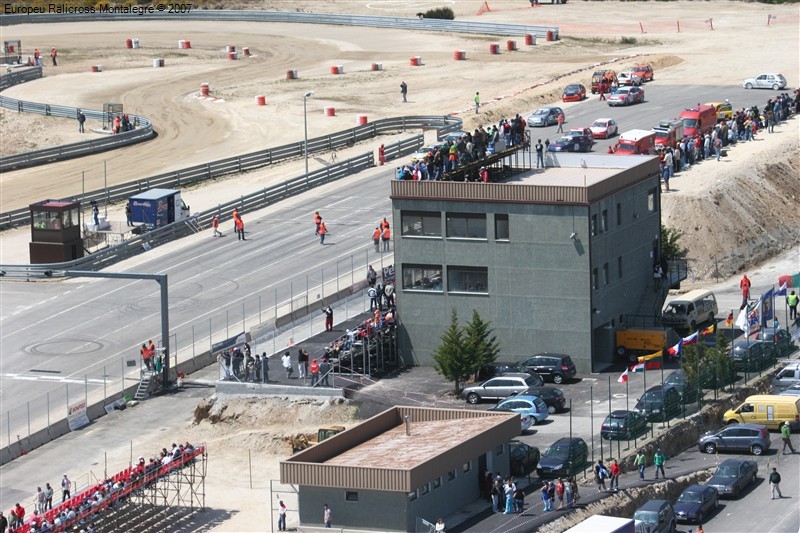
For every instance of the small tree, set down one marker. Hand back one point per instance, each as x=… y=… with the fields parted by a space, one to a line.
x=480 y=343
x=449 y=360
x=445 y=13
x=720 y=363
x=670 y=244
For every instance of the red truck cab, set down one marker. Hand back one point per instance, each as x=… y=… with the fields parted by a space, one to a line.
x=636 y=142
x=698 y=119
x=669 y=132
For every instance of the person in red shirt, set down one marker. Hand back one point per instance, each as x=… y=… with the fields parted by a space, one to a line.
x=322 y=231
x=744 y=284
x=615 y=471
x=17 y=515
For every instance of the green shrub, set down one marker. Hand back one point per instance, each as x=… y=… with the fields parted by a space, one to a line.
x=440 y=13
x=627 y=40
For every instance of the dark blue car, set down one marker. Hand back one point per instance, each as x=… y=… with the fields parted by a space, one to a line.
x=695 y=503
x=570 y=143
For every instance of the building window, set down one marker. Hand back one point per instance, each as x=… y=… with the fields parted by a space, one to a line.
x=425 y=489
x=451 y=475
x=467 y=467
x=412 y=495
x=604 y=220
x=421 y=224
x=501 y=227
x=422 y=278
x=350 y=496
x=619 y=214
x=619 y=266
x=437 y=483
x=605 y=274
x=466 y=226
x=593 y=228
x=468 y=279
x=595 y=279
x=651 y=200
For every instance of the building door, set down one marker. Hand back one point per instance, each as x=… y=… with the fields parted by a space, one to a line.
x=602 y=347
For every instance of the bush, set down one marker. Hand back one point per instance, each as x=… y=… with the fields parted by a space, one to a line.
x=445 y=13
x=627 y=40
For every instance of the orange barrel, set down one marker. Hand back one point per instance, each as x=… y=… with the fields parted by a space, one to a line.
x=330 y=111
x=460 y=55
x=229 y=49
x=135 y=42
x=494 y=48
x=415 y=61
x=361 y=120
x=233 y=56
x=334 y=69
x=204 y=89
x=291 y=74
x=261 y=100
x=187 y=44
x=550 y=36
x=181 y=44
x=377 y=66
x=530 y=39
x=128 y=43
x=245 y=51
x=511 y=45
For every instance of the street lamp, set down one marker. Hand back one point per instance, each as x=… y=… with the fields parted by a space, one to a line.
x=305 y=126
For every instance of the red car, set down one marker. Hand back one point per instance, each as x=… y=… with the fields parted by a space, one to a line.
x=574 y=92
x=644 y=71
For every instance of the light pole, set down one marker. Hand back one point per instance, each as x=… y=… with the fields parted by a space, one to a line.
x=305 y=127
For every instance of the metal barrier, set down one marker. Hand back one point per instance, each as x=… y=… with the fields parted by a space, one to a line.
x=142 y=132
x=454 y=26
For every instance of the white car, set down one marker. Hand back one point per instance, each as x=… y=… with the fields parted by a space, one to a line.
x=775 y=82
x=604 y=128
x=629 y=78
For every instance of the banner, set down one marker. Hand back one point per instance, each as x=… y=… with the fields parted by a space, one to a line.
x=227 y=344
x=767 y=306
x=76 y=416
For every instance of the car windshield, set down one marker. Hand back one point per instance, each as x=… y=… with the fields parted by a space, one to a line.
x=541 y=112
x=599 y=124
x=622 y=91
x=565 y=140
x=661 y=134
x=573 y=88
x=677 y=309
x=560 y=451
x=653 y=396
x=626 y=148
x=690 y=123
x=691 y=497
x=615 y=421
x=674 y=379
x=646 y=516
x=727 y=471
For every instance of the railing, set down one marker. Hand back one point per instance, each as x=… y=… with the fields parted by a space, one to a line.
x=142 y=132
x=400 y=23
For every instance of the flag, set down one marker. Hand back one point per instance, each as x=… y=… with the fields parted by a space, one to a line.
x=729 y=321
x=749 y=319
x=773 y=17
x=782 y=289
x=623 y=378
x=639 y=367
x=709 y=330
x=767 y=306
x=649 y=357
x=675 y=351
x=691 y=339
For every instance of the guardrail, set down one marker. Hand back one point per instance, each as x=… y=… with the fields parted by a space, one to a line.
x=230 y=165
x=142 y=132
x=402 y=23
x=251 y=202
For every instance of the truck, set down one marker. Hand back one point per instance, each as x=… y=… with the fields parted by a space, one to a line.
x=301 y=442
x=669 y=132
x=155 y=208
x=632 y=343
x=698 y=120
x=604 y=524
x=636 y=142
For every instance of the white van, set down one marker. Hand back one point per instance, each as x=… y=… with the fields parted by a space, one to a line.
x=689 y=310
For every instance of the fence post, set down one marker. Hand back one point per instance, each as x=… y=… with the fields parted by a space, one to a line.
x=8 y=426
x=104 y=384
x=227 y=326
x=121 y=378
x=259 y=309
x=86 y=389
x=48 y=412
x=29 y=420
x=193 y=352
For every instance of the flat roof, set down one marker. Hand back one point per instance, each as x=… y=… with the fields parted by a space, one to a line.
x=564 y=177
x=154 y=194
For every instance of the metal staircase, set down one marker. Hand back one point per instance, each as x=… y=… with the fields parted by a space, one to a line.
x=194 y=225
x=143 y=390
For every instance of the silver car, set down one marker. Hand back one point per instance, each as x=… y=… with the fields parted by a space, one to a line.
x=544 y=116
x=753 y=438
x=765 y=81
x=500 y=387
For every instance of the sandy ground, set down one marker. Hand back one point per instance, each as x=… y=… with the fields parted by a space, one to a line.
x=747 y=203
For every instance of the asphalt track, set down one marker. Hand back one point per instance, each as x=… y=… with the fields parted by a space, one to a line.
x=54 y=334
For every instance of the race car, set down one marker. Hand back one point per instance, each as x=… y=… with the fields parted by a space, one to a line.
x=574 y=92
x=629 y=78
x=626 y=96
x=604 y=128
x=644 y=71
x=577 y=132
x=570 y=143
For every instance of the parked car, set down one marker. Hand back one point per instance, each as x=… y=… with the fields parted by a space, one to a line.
x=629 y=78
x=733 y=476
x=574 y=92
x=498 y=368
x=524 y=418
x=623 y=425
x=453 y=136
x=544 y=116
x=751 y=356
x=604 y=128
x=524 y=458
x=567 y=143
x=644 y=71
x=794 y=390
x=577 y=132
x=531 y=406
x=780 y=339
x=555 y=367
x=659 y=403
x=500 y=387
x=724 y=109
x=787 y=376
x=626 y=96
x=425 y=151
x=552 y=397
x=655 y=516
x=565 y=457
x=688 y=391
x=695 y=503
x=765 y=81
x=753 y=438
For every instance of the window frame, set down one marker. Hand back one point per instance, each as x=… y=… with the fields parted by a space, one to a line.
x=467 y=217
x=422 y=215
x=423 y=270
x=348 y=496
x=453 y=269
x=502 y=217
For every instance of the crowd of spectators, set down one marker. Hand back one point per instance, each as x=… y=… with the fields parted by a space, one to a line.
x=454 y=153
x=80 y=512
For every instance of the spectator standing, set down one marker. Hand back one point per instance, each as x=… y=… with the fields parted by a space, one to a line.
x=146 y=357
x=66 y=487
x=792 y=300
x=560 y=121
x=81 y=119
x=372 y=276
x=327 y=515
x=477 y=100
x=53 y=56
x=786 y=436
x=560 y=493
x=569 y=496
x=602 y=88
x=439 y=528
x=302 y=362
x=215 y=225
x=575 y=495
x=48 y=494
x=497 y=491
x=286 y=362
x=322 y=231
x=324 y=371
x=640 y=462
x=328 y=318
x=551 y=494
x=615 y=471
x=239 y=225
x=659 y=459
x=774 y=484
x=128 y=215
x=281 y=516
x=3 y=522
x=508 y=492
x=317 y=222
x=41 y=500
x=539 y=154
x=313 y=368
x=600 y=475
x=545 y=497
x=388 y=293
x=376 y=239
x=744 y=284
x=95 y=212
x=372 y=292
x=519 y=500
x=404 y=91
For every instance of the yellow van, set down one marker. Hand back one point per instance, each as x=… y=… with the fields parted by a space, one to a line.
x=770 y=410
